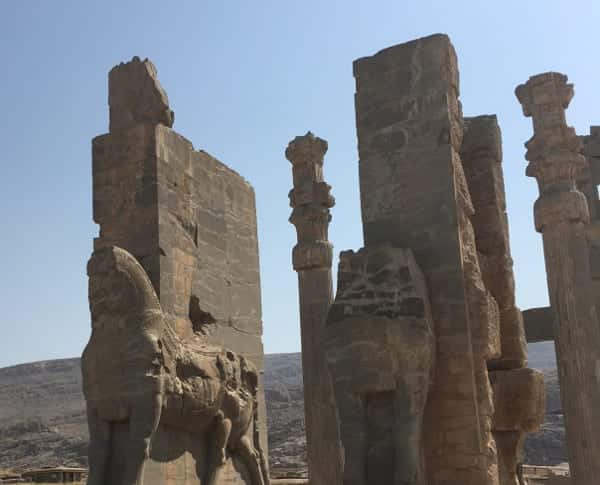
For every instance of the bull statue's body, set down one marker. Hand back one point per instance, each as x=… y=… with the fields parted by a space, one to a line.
x=137 y=370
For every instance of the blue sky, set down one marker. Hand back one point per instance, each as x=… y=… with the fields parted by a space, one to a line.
x=243 y=78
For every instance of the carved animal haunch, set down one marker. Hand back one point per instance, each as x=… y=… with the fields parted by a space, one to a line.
x=137 y=370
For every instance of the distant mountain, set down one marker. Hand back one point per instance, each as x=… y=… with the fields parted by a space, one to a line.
x=42 y=413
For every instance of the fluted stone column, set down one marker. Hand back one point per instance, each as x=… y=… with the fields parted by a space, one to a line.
x=561 y=215
x=312 y=257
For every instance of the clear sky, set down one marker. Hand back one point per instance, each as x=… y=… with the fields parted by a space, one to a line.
x=243 y=78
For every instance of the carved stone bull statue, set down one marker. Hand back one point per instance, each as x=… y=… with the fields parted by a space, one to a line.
x=380 y=349
x=137 y=370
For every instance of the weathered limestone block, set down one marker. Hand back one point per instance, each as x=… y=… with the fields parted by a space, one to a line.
x=519 y=399
x=519 y=405
x=481 y=154
x=139 y=375
x=510 y=455
x=482 y=307
x=562 y=216
x=136 y=97
x=414 y=194
x=311 y=257
x=187 y=218
x=381 y=350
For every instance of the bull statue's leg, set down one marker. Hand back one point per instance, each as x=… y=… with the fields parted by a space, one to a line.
x=99 y=447
x=143 y=422
x=217 y=447
x=251 y=459
x=410 y=397
x=263 y=464
x=351 y=407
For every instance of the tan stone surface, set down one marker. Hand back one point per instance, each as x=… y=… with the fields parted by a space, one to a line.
x=481 y=154
x=519 y=399
x=136 y=97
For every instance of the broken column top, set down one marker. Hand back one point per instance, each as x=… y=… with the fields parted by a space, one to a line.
x=135 y=96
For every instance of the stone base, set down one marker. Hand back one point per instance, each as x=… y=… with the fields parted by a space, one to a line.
x=177 y=458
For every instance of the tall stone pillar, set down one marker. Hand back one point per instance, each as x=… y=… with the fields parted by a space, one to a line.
x=519 y=402
x=312 y=256
x=414 y=194
x=587 y=182
x=561 y=215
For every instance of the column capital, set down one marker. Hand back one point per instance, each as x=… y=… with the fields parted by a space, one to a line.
x=306 y=149
x=544 y=98
x=543 y=93
x=311 y=200
x=554 y=151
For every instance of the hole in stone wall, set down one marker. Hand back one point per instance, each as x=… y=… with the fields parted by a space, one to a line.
x=202 y=321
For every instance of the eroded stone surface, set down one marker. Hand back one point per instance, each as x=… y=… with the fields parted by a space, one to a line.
x=381 y=351
x=136 y=97
x=138 y=374
x=481 y=154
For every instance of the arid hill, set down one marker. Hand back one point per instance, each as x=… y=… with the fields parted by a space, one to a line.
x=42 y=413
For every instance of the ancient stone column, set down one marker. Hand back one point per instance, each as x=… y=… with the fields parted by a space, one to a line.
x=561 y=215
x=312 y=256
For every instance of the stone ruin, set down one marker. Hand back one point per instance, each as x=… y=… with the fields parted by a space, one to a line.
x=423 y=342
x=172 y=373
x=566 y=214
x=416 y=371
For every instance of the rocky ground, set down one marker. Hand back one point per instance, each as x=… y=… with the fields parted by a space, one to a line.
x=42 y=414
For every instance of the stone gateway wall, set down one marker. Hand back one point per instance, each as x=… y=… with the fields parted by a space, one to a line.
x=414 y=194
x=188 y=219
x=518 y=391
x=433 y=211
